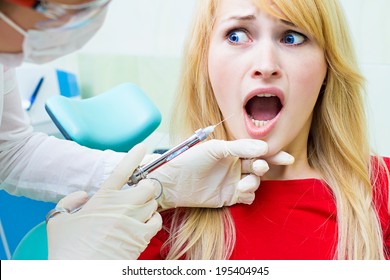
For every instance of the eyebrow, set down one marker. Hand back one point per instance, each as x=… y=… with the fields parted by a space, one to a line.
x=239 y=18
x=251 y=17
x=289 y=23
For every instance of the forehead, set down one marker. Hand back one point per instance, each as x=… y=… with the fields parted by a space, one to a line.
x=232 y=9
x=229 y=8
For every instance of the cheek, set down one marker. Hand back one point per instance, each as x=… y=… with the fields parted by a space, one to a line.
x=310 y=76
x=308 y=81
x=218 y=71
x=305 y=81
x=224 y=81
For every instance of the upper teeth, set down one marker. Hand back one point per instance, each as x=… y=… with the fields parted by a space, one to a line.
x=266 y=95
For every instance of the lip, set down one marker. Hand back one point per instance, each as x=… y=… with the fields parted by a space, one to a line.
x=261 y=132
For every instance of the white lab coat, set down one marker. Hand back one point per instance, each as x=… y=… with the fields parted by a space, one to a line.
x=39 y=166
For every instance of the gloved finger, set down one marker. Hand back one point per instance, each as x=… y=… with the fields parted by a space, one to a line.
x=248 y=184
x=144 y=191
x=255 y=166
x=73 y=200
x=143 y=212
x=124 y=200
x=125 y=168
x=245 y=189
x=281 y=158
x=154 y=224
x=243 y=148
x=149 y=158
x=246 y=198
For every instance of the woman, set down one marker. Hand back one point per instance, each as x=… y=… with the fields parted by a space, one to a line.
x=286 y=71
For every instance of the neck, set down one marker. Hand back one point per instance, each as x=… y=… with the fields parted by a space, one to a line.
x=301 y=168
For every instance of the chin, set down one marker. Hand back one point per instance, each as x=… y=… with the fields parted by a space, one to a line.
x=275 y=146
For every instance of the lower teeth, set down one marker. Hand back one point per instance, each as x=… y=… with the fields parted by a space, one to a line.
x=260 y=123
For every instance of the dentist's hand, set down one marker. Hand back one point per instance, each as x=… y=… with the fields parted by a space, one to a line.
x=215 y=174
x=113 y=224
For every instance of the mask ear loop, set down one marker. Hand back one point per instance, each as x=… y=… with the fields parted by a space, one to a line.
x=12 y=24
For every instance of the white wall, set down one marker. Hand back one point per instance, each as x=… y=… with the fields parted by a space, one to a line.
x=370 y=27
x=150 y=28
x=157 y=28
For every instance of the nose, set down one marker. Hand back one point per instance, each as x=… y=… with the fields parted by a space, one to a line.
x=266 y=61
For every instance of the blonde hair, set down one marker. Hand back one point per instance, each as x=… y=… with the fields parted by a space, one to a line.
x=336 y=148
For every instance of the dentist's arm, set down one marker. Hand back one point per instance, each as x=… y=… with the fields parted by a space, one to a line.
x=44 y=167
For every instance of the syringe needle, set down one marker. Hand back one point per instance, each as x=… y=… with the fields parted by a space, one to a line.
x=223 y=120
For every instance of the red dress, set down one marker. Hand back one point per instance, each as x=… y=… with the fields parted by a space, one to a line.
x=293 y=219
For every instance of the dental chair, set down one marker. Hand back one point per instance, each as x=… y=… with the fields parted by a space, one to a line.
x=33 y=245
x=117 y=119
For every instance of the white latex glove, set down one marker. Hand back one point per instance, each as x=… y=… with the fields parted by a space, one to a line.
x=215 y=174
x=113 y=224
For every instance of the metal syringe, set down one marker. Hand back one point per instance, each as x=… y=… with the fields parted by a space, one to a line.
x=143 y=171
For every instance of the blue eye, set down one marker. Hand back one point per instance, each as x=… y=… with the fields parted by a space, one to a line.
x=293 y=38
x=238 y=37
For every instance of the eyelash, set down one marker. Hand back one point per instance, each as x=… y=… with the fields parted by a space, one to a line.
x=231 y=31
x=288 y=32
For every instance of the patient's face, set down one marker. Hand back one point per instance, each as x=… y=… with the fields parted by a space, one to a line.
x=265 y=72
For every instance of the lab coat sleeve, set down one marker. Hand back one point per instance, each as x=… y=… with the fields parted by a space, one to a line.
x=43 y=167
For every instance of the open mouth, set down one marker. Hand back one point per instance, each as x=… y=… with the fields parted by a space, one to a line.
x=263 y=108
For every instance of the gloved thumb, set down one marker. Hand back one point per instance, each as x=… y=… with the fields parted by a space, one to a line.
x=281 y=158
x=261 y=166
x=125 y=168
x=73 y=201
x=242 y=148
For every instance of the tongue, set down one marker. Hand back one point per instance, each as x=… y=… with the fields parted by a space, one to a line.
x=263 y=108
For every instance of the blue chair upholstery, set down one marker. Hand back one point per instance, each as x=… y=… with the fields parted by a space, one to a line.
x=33 y=246
x=18 y=215
x=117 y=119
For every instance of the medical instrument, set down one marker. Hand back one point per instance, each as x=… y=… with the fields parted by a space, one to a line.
x=199 y=135
x=58 y=210
x=34 y=94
